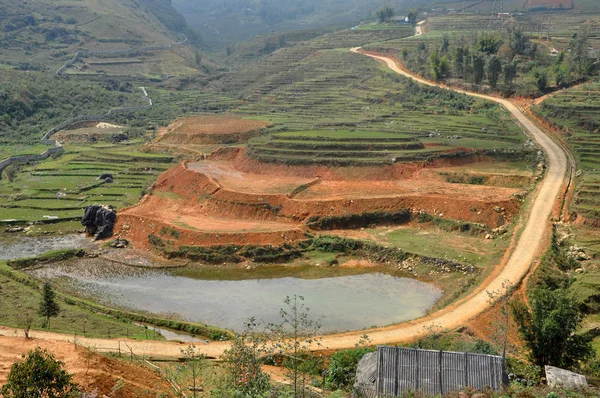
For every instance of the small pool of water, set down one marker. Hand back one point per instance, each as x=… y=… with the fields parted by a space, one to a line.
x=341 y=303
x=18 y=246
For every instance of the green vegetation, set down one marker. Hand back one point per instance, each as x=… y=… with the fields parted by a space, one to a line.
x=58 y=190
x=33 y=103
x=316 y=101
x=38 y=34
x=48 y=306
x=506 y=61
x=577 y=112
x=39 y=374
x=549 y=327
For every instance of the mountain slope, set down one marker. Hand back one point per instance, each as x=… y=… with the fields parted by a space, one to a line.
x=43 y=33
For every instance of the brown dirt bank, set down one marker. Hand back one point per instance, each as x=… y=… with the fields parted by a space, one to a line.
x=91 y=371
x=212 y=203
x=390 y=172
x=206 y=130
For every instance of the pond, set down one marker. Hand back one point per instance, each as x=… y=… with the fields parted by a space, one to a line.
x=348 y=302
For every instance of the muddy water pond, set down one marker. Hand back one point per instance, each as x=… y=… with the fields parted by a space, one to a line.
x=346 y=302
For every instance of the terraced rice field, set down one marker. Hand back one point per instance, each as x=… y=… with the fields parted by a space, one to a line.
x=58 y=190
x=577 y=112
x=346 y=92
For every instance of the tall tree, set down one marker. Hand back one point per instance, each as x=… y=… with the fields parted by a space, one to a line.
x=48 y=306
x=478 y=68
x=579 y=52
x=459 y=61
x=294 y=335
x=412 y=15
x=549 y=329
x=510 y=72
x=494 y=68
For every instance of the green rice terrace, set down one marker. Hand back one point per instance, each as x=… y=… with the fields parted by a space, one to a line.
x=577 y=111
x=339 y=90
x=58 y=190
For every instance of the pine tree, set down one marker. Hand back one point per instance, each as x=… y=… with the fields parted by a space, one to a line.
x=48 y=306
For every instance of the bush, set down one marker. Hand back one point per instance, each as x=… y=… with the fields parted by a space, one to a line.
x=342 y=368
x=38 y=375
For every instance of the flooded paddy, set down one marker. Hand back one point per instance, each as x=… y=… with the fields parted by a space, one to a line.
x=18 y=246
x=344 y=302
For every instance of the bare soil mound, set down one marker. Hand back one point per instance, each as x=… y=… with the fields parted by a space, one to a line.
x=207 y=130
x=91 y=371
x=213 y=203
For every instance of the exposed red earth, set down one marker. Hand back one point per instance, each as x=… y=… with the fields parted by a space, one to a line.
x=216 y=202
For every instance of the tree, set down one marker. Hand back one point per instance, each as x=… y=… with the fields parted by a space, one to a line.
x=510 y=72
x=459 y=61
x=193 y=364
x=243 y=362
x=549 y=328
x=488 y=44
x=412 y=15
x=293 y=336
x=445 y=43
x=48 y=306
x=579 y=52
x=494 y=68
x=478 y=68
x=198 y=55
x=541 y=79
x=385 y=13
x=39 y=374
x=439 y=65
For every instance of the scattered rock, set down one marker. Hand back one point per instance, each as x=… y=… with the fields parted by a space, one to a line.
x=14 y=229
x=119 y=243
x=106 y=176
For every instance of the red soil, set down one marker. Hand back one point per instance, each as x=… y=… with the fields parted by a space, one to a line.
x=91 y=371
x=216 y=203
x=205 y=130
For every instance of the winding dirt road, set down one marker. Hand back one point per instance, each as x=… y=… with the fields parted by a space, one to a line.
x=530 y=244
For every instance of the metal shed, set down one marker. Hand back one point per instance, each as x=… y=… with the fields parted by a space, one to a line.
x=400 y=370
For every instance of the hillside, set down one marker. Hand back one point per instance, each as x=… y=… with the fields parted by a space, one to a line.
x=37 y=34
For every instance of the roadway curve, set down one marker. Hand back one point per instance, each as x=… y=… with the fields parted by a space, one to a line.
x=529 y=245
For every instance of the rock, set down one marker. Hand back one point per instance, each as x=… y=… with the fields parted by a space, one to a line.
x=12 y=230
x=497 y=209
x=119 y=243
x=488 y=236
x=99 y=221
x=366 y=375
x=579 y=271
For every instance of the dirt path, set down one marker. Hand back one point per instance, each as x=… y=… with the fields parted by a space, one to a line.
x=529 y=245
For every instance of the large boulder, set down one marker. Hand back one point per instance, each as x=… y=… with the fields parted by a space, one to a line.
x=366 y=376
x=99 y=221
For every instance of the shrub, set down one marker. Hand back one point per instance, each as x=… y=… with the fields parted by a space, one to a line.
x=38 y=375
x=342 y=368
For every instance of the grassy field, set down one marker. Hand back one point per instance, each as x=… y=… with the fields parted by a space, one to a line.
x=59 y=189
